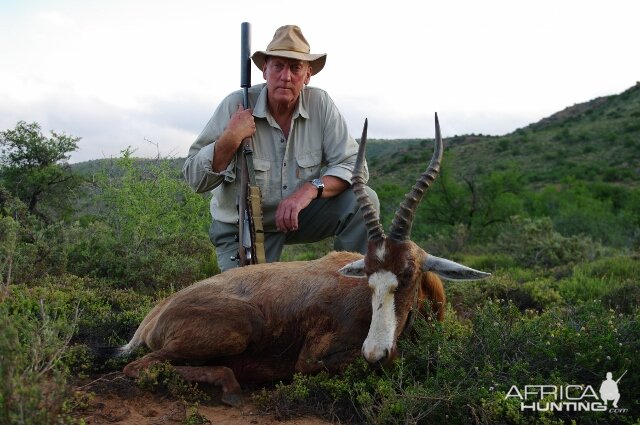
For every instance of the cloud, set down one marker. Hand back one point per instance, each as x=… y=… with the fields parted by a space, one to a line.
x=409 y=123
x=158 y=127
x=119 y=73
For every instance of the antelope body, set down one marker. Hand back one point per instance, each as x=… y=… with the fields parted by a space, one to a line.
x=266 y=322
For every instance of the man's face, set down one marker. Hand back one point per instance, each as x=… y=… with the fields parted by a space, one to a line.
x=285 y=78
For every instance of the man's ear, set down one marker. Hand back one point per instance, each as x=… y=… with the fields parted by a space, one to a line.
x=354 y=269
x=308 y=76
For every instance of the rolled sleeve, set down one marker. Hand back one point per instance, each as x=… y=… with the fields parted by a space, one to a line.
x=198 y=172
x=340 y=148
x=197 y=169
x=344 y=169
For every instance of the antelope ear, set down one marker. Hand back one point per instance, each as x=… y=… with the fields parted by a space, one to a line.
x=354 y=269
x=451 y=270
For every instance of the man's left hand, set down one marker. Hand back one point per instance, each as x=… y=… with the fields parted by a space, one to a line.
x=289 y=208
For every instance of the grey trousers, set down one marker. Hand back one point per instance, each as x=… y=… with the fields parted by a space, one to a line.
x=339 y=216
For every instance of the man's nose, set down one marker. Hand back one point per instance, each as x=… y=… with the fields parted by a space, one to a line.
x=286 y=73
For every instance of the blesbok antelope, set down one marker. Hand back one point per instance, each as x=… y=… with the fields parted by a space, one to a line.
x=269 y=321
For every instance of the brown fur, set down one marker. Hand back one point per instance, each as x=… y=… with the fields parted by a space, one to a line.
x=432 y=290
x=269 y=321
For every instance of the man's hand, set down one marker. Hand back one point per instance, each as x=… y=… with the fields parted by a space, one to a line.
x=240 y=126
x=289 y=208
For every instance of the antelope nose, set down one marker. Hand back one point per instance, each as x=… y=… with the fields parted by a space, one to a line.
x=375 y=355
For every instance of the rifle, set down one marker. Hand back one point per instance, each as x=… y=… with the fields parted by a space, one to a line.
x=250 y=230
x=625 y=372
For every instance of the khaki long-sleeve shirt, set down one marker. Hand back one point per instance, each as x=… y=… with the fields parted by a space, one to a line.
x=318 y=145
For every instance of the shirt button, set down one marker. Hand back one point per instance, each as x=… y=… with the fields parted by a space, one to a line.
x=281 y=140
x=284 y=187
x=284 y=165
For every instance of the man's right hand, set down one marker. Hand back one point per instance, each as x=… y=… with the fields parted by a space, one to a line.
x=241 y=125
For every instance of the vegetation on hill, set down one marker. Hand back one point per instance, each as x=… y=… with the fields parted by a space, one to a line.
x=578 y=167
x=595 y=141
x=553 y=210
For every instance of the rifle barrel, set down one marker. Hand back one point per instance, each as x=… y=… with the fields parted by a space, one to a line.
x=625 y=372
x=244 y=226
x=245 y=61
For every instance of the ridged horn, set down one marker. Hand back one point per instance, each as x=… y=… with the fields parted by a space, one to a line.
x=369 y=213
x=401 y=225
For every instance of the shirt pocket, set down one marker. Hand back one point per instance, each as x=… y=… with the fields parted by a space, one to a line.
x=309 y=165
x=262 y=170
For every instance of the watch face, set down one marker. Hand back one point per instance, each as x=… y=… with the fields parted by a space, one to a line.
x=319 y=185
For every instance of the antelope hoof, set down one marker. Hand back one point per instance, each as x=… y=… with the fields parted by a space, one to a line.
x=232 y=399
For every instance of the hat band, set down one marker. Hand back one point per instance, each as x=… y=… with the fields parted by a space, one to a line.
x=305 y=52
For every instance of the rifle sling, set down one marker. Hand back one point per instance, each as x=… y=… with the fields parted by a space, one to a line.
x=255 y=209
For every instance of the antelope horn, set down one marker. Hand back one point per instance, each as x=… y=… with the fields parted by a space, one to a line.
x=401 y=225
x=371 y=219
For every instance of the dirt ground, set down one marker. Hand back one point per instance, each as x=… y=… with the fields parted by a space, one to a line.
x=116 y=399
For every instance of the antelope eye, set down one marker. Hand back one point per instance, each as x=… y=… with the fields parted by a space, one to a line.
x=407 y=273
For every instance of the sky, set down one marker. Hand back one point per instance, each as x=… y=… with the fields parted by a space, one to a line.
x=148 y=74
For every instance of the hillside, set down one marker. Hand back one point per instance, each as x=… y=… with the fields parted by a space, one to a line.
x=110 y=165
x=598 y=140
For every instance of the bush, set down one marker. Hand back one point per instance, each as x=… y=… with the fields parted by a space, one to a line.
x=613 y=280
x=29 y=247
x=489 y=262
x=607 y=213
x=8 y=242
x=151 y=231
x=163 y=378
x=449 y=241
x=526 y=291
x=534 y=243
x=34 y=337
x=156 y=262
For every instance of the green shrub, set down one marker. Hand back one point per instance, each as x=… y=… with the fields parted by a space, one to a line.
x=34 y=249
x=9 y=229
x=34 y=337
x=163 y=378
x=448 y=241
x=605 y=212
x=151 y=231
x=533 y=242
x=613 y=280
x=459 y=371
x=103 y=316
x=490 y=262
x=624 y=268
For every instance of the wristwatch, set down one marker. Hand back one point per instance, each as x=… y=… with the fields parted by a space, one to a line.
x=319 y=185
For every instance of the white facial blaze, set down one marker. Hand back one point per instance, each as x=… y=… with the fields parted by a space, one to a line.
x=380 y=252
x=379 y=341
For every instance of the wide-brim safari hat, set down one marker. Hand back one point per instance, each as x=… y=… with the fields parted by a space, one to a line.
x=288 y=42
